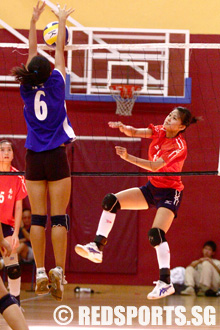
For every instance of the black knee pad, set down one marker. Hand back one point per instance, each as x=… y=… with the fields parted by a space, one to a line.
x=60 y=221
x=110 y=203
x=7 y=301
x=39 y=220
x=14 y=271
x=156 y=236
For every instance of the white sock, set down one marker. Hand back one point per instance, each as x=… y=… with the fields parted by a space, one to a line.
x=41 y=269
x=106 y=223
x=14 y=286
x=163 y=255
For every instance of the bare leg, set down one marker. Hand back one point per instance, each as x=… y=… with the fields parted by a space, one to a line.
x=59 y=198
x=38 y=242
x=37 y=193
x=12 y=315
x=163 y=219
x=132 y=199
x=129 y=199
x=14 y=284
x=59 y=241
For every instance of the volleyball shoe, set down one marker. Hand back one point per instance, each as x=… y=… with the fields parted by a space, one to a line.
x=57 y=281
x=161 y=290
x=89 y=251
x=42 y=282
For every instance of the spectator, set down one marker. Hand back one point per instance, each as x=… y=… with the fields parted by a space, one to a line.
x=202 y=275
x=24 y=250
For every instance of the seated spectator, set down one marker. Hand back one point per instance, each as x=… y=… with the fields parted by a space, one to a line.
x=24 y=250
x=203 y=275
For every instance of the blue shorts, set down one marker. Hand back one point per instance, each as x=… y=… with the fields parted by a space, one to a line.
x=162 y=197
x=7 y=230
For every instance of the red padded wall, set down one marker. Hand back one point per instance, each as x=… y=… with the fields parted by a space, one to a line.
x=198 y=218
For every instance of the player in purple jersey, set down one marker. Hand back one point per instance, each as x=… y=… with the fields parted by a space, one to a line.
x=47 y=168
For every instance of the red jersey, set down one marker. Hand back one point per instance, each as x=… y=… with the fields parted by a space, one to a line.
x=173 y=151
x=12 y=189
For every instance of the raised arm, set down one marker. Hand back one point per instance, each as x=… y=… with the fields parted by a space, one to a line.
x=140 y=162
x=62 y=15
x=130 y=130
x=37 y=11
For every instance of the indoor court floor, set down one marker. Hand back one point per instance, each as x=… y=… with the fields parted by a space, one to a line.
x=176 y=310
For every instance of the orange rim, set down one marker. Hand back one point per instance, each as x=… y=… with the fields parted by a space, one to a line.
x=126 y=91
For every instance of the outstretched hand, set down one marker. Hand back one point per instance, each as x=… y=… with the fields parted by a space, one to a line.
x=37 y=11
x=117 y=124
x=63 y=13
x=122 y=152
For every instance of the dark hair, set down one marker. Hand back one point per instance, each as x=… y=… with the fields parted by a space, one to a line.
x=6 y=141
x=37 y=72
x=186 y=117
x=211 y=244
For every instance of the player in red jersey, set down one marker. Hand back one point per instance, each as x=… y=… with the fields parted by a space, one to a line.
x=167 y=153
x=8 y=304
x=12 y=192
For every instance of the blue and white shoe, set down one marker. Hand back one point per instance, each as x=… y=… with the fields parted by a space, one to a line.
x=89 y=251
x=161 y=290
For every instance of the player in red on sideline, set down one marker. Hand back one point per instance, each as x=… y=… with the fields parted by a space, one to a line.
x=12 y=192
x=167 y=153
x=8 y=304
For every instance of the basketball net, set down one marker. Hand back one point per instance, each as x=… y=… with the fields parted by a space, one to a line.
x=125 y=97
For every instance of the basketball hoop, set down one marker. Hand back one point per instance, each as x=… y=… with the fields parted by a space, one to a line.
x=125 y=97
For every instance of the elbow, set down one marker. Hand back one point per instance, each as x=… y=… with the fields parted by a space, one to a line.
x=154 y=169
x=156 y=166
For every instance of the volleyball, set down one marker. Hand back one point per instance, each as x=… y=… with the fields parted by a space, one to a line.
x=50 y=34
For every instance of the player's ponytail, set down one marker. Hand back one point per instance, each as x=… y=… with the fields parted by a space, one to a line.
x=23 y=76
x=186 y=117
x=37 y=72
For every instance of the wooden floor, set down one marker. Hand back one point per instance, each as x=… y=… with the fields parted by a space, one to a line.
x=39 y=311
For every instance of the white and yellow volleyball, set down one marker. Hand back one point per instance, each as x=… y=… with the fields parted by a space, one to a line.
x=50 y=34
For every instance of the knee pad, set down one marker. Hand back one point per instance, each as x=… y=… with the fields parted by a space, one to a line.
x=14 y=271
x=39 y=220
x=110 y=203
x=156 y=236
x=60 y=221
x=7 y=301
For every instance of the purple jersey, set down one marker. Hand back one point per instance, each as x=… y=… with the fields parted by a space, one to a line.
x=45 y=113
